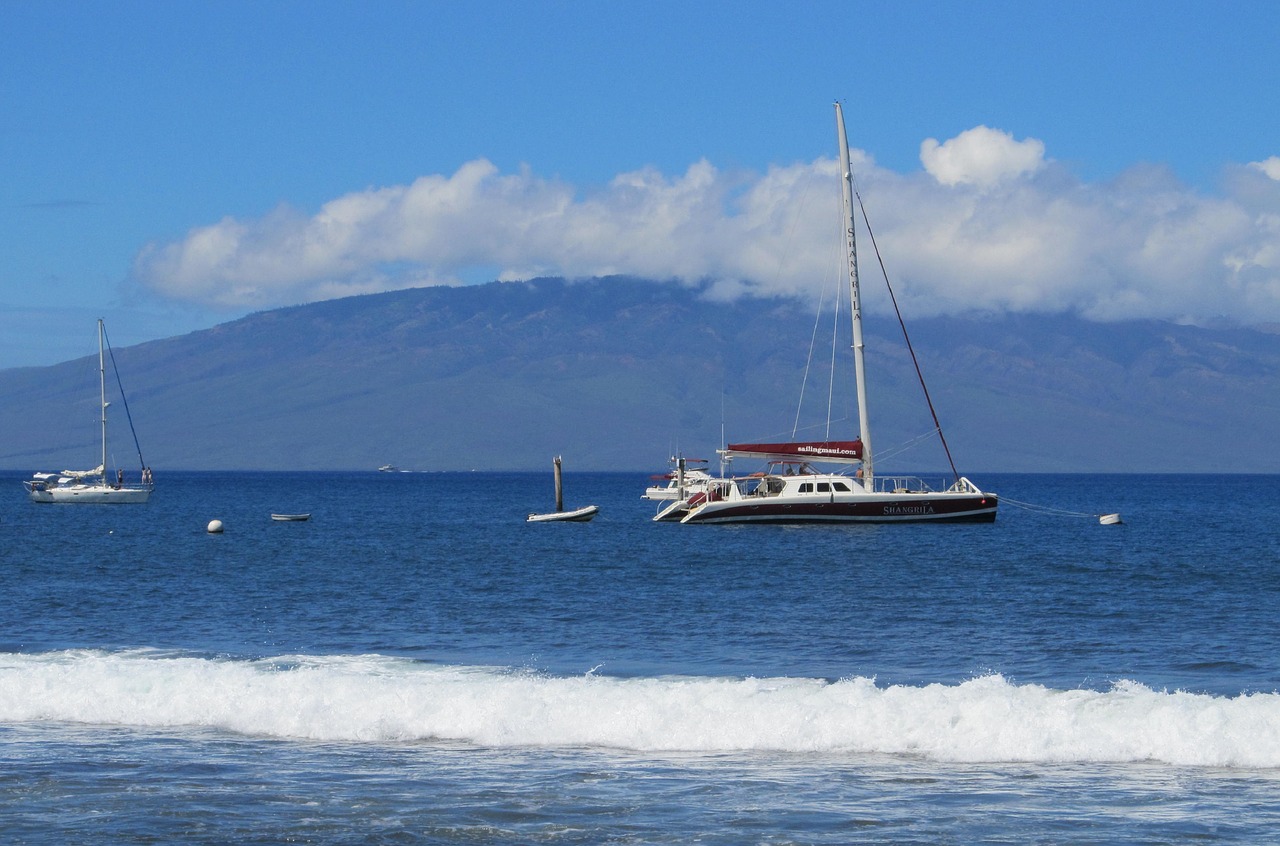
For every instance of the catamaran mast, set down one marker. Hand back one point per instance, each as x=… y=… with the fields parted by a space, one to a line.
x=102 y=388
x=855 y=300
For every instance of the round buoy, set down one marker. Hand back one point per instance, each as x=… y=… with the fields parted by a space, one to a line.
x=215 y=527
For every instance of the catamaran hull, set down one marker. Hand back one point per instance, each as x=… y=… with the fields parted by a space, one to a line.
x=917 y=508
x=673 y=512
x=92 y=494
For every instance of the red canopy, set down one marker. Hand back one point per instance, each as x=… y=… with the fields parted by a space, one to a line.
x=849 y=451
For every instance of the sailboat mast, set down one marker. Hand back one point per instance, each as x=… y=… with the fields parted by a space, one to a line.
x=102 y=392
x=855 y=301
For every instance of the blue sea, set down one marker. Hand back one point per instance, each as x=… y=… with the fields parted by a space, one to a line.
x=417 y=665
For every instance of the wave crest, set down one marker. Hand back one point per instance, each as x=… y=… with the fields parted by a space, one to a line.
x=372 y=698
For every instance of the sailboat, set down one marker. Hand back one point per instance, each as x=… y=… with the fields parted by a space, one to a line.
x=793 y=490
x=93 y=486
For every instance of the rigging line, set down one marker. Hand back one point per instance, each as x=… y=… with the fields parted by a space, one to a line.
x=907 y=446
x=813 y=426
x=831 y=378
x=813 y=340
x=813 y=343
x=906 y=337
x=791 y=234
x=123 y=399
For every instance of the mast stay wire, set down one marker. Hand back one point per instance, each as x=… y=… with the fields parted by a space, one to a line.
x=808 y=362
x=795 y=426
x=906 y=337
x=123 y=399
x=813 y=344
x=831 y=376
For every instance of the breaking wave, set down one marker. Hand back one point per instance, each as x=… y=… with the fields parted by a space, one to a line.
x=373 y=698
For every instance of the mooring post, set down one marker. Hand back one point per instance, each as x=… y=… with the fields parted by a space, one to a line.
x=559 y=487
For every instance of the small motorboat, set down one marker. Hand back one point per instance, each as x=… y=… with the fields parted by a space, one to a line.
x=290 y=518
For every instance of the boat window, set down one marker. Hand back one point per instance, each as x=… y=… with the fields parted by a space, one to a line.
x=841 y=486
x=824 y=487
x=806 y=487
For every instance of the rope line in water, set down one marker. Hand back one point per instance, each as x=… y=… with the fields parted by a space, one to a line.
x=1045 y=509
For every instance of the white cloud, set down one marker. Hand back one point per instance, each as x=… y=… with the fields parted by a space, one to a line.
x=1271 y=167
x=981 y=156
x=990 y=224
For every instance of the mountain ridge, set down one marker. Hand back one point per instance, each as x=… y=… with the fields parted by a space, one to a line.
x=619 y=373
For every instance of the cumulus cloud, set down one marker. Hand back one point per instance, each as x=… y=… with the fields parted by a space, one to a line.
x=981 y=156
x=989 y=224
x=1271 y=167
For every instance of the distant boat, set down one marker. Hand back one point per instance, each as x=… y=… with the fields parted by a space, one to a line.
x=685 y=488
x=290 y=518
x=680 y=477
x=388 y=468
x=793 y=491
x=577 y=515
x=92 y=486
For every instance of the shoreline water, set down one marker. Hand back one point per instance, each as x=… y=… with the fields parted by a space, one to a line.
x=416 y=664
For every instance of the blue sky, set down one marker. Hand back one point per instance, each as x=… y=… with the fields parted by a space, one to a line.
x=173 y=165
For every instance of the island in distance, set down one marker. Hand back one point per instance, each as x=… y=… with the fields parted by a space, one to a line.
x=620 y=373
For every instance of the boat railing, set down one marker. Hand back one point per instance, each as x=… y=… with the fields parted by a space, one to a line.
x=902 y=484
x=963 y=485
x=914 y=484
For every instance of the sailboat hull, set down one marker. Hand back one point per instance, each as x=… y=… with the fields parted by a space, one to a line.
x=871 y=508
x=103 y=494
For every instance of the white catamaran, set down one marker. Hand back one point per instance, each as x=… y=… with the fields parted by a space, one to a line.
x=93 y=486
x=793 y=491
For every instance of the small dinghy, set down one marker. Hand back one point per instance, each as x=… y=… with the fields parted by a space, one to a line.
x=290 y=518
x=576 y=515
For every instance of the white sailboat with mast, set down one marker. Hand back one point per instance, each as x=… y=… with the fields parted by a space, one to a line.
x=93 y=486
x=800 y=493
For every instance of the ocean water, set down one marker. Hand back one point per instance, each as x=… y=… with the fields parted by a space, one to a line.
x=417 y=664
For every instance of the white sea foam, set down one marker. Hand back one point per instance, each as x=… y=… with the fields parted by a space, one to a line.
x=376 y=698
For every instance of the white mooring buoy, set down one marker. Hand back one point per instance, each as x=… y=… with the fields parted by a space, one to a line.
x=215 y=527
